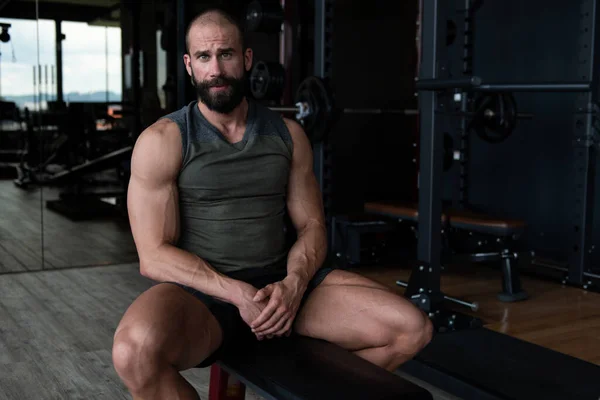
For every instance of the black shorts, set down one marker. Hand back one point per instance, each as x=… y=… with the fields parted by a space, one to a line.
x=233 y=326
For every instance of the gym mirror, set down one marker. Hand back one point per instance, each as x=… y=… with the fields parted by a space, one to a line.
x=21 y=136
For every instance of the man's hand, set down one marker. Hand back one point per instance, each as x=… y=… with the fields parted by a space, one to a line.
x=249 y=309
x=277 y=317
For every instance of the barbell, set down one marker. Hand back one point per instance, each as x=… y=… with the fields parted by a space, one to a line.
x=493 y=119
x=298 y=109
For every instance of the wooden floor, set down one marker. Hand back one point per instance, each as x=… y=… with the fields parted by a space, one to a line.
x=33 y=237
x=564 y=319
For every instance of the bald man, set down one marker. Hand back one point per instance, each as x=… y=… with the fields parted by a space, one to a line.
x=210 y=187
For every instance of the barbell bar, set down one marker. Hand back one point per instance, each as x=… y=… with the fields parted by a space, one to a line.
x=298 y=109
x=485 y=122
x=475 y=83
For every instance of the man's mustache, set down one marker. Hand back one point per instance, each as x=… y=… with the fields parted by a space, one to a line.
x=219 y=81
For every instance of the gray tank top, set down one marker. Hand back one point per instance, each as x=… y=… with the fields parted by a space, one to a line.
x=232 y=197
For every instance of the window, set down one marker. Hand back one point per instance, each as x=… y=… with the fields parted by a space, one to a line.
x=19 y=59
x=91 y=63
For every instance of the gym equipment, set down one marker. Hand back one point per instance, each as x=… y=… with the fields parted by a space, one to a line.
x=476 y=84
x=99 y=164
x=264 y=16
x=473 y=236
x=68 y=137
x=468 y=364
x=495 y=119
x=473 y=306
x=304 y=368
x=12 y=133
x=316 y=107
x=53 y=141
x=79 y=201
x=434 y=89
x=362 y=239
x=495 y=116
x=267 y=80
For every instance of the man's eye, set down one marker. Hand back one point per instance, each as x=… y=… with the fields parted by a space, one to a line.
x=226 y=55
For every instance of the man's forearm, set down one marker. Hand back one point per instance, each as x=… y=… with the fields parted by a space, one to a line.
x=171 y=264
x=308 y=253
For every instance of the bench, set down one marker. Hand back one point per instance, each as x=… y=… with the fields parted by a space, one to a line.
x=472 y=236
x=304 y=368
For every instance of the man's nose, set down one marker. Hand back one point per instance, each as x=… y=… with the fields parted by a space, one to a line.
x=215 y=67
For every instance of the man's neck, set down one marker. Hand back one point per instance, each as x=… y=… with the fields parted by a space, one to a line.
x=226 y=123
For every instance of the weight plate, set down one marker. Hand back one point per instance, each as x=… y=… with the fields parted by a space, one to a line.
x=267 y=80
x=314 y=92
x=495 y=116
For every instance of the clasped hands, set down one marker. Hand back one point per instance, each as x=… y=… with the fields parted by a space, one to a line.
x=271 y=311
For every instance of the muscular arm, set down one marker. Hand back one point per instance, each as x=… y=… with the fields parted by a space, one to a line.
x=305 y=207
x=154 y=217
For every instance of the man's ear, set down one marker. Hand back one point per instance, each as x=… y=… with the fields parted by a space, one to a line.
x=187 y=62
x=248 y=56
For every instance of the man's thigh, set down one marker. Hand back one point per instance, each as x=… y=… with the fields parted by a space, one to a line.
x=355 y=312
x=169 y=321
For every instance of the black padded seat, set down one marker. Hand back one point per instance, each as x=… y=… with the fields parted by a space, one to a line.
x=459 y=219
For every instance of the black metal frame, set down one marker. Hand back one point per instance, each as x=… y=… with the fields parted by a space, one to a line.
x=182 y=77
x=584 y=146
x=476 y=84
x=59 y=37
x=424 y=285
x=323 y=68
x=426 y=276
x=461 y=199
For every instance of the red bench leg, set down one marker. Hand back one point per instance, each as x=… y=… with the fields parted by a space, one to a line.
x=223 y=386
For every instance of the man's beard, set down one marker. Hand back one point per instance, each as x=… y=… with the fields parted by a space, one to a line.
x=224 y=101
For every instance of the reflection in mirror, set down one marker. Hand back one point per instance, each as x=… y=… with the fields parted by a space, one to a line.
x=23 y=99
x=85 y=218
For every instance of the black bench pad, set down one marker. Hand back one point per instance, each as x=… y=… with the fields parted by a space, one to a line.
x=505 y=367
x=303 y=368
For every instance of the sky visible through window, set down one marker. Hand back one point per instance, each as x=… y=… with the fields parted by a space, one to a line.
x=91 y=59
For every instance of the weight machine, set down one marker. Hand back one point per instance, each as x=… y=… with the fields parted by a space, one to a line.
x=434 y=88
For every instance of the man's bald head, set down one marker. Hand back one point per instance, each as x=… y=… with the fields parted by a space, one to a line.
x=219 y=17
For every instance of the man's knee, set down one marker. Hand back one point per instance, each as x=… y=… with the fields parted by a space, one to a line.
x=415 y=337
x=136 y=356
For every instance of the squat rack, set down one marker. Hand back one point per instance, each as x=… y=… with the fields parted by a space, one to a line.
x=433 y=87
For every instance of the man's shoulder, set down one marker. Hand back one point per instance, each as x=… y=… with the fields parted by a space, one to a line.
x=164 y=129
x=157 y=152
x=163 y=134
